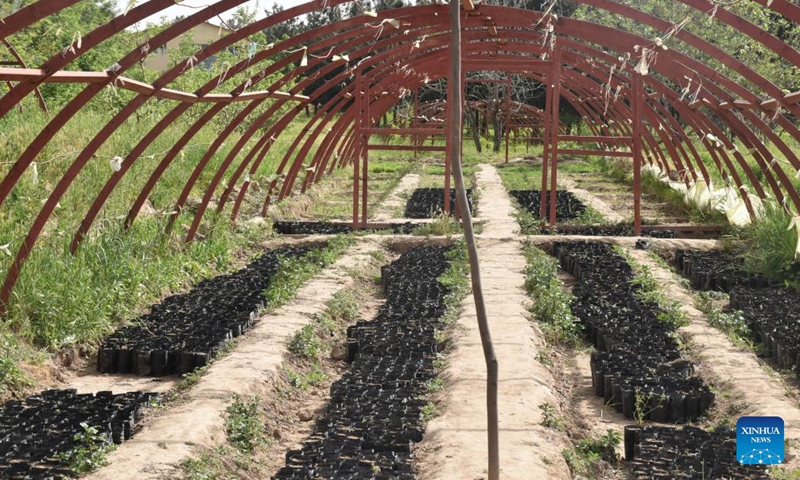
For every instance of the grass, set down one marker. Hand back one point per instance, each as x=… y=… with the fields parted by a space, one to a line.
x=332 y=197
x=305 y=380
x=731 y=323
x=247 y=440
x=768 y=245
x=305 y=343
x=432 y=175
x=550 y=417
x=435 y=385
x=457 y=280
x=62 y=300
x=293 y=272
x=589 y=455
x=429 y=412
x=321 y=335
x=440 y=225
x=520 y=177
x=244 y=423
x=778 y=473
x=208 y=466
x=729 y=410
x=550 y=304
x=622 y=172
x=90 y=451
x=529 y=177
x=650 y=289
x=325 y=327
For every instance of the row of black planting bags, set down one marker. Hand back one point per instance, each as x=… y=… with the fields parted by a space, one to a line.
x=429 y=202
x=569 y=207
x=35 y=433
x=638 y=369
x=770 y=309
x=686 y=453
x=185 y=331
x=180 y=334
x=376 y=409
x=293 y=227
x=637 y=366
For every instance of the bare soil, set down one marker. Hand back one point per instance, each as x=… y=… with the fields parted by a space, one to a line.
x=592 y=200
x=612 y=198
x=395 y=201
x=455 y=443
x=291 y=412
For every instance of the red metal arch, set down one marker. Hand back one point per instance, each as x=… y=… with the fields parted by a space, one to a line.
x=721 y=94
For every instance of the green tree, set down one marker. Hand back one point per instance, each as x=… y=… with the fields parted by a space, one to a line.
x=62 y=31
x=705 y=25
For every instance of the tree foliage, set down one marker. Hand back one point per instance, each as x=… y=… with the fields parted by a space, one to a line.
x=61 y=32
x=707 y=26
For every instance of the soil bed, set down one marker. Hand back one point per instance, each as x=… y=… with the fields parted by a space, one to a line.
x=376 y=408
x=637 y=368
x=34 y=431
x=185 y=331
x=328 y=228
x=429 y=202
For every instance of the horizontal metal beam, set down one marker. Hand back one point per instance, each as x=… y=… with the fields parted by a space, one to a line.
x=404 y=131
x=411 y=148
x=485 y=80
x=28 y=74
x=505 y=64
x=590 y=138
x=599 y=153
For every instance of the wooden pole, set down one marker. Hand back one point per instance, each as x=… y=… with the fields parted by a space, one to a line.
x=414 y=123
x=364 y=183
x=455 y=99
x=366 y=122
x=448 y=163
x=636 y=148
x=507 y=123
x=554 y=123
x=548 y=121
x=359 y=146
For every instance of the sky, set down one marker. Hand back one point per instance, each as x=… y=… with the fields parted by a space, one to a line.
x=189 y=7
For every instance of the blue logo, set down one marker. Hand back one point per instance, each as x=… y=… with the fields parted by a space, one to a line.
x=759 y=440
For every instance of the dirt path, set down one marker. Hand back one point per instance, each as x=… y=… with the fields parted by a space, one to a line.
x=732 y=368
x=88 y=380
x=455 y=443
x=196 y=420
x=617 y=197
x=611 y=214
x=395 y=200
